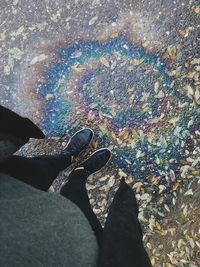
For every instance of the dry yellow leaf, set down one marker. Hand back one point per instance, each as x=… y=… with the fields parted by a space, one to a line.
x=172 y=73
x=187 y=237
x=195 y=61
x=122 y=174
x=52 y=188
x=160 y=94
x=138 y=184
x=130 y=68
x=158 y=226
x=191 y=75
x=126 y=134
x=175 y=186
x=137 y=62
x=77 y=67
x=161 y=200
x=197 y=10
x=184 y=32
x=38 y=58
x=114 y=35
x=113 y=135
x=197 y=68
x=172 y=50
x=189 y=89
x=153 y=261
x=18 y=32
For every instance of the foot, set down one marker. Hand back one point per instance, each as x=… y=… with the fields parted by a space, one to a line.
x=78 y=142
x=96 y=161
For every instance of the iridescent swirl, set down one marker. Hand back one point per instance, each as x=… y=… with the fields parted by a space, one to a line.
x=126 y=95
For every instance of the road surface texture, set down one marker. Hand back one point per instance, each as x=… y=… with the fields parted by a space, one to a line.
x=128 y=69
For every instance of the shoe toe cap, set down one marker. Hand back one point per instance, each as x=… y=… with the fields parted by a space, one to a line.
x=88 y=133
x=106 y=153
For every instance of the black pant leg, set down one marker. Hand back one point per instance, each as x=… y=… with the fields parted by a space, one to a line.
x=122 y=243
x=37 y=171
x=75 y=190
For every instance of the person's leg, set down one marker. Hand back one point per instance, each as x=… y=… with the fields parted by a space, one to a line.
x=42 y=170
x=122 y=235
x=39 y=171
x=75 y=190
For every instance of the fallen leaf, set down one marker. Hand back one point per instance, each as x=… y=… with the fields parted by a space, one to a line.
x=195 y=61
x=6 y=70
x=122 y=174
x=76 y=54
x=197 y=10
x=161 y=188
x=18 y=32
x=138 y=184
x=160 y=94
x=186 y=32
x=111 y=181
x=175 y=186
x=16 y=52
x=188 y=193
x=197 y=94
x=137 y=62
x=38 y=59
x=105 y=62
x=93 y=20
x=172 y=50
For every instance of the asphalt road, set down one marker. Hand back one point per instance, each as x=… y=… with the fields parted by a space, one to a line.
x=130 y=71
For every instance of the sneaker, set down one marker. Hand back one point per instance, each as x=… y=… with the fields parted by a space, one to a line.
x=96 y=161
x=78 y=142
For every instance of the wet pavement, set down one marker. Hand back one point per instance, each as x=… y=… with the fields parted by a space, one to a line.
x=130 y=71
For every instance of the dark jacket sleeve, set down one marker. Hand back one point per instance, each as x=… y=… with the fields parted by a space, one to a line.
x=12 y=123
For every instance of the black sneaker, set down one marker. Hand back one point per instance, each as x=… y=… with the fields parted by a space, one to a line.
x=96 y=161
x=78 y=142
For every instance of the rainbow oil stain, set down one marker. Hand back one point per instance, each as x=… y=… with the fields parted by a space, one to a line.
x=126 y=96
